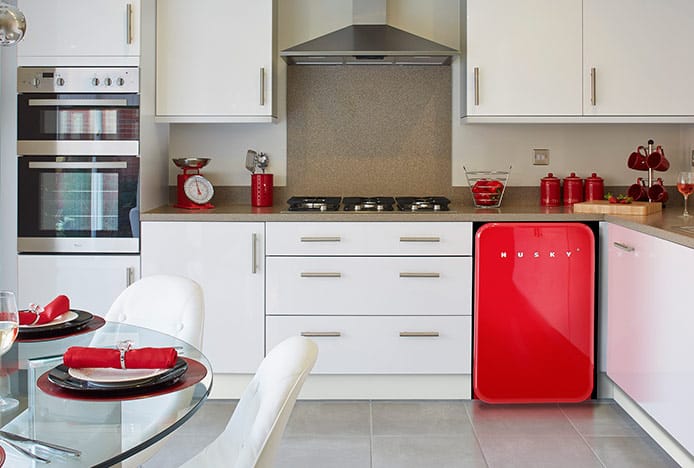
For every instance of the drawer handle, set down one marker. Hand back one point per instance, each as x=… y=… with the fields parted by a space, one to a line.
x=624 y=247
x=404 y=274
x=320 y=334
x=420 y=239
x=320 y=239
x=418 y=333
x=310 y=274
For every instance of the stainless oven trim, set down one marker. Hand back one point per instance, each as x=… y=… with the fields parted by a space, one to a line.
x=78 y=165
x=66 y=101
x=78 y=148
x=78 y=245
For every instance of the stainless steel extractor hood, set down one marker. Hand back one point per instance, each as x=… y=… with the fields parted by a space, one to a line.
x=369 y=41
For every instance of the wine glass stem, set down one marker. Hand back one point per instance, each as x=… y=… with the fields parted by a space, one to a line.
x=686 y=213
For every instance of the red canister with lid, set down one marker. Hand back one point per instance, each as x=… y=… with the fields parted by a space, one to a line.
x=595 y=188
x=550 y=191
x=573 y=189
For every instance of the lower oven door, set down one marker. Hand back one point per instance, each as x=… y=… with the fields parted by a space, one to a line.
x=78 y=204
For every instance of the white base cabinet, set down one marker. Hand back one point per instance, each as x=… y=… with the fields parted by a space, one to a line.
x=80 y=32
x=649 y=336
x=226 y=260
x=92 y=282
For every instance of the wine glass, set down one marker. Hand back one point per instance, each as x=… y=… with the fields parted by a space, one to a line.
x=685 y=185
x=9 y=327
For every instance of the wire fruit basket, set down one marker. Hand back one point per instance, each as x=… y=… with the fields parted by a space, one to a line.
x=487 y=187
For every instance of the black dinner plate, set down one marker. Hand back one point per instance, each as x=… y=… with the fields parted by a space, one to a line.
x=45 y=331
x=60 y=376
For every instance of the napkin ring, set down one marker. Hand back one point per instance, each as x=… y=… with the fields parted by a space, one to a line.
x=124 y=346
x=36 y=309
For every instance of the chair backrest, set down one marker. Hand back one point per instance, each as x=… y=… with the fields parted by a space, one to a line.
x=252 y=436
x=166 y=303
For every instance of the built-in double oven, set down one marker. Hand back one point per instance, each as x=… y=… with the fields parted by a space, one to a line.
x=78 y=170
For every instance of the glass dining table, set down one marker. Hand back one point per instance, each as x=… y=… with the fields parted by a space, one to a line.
x=106 y=422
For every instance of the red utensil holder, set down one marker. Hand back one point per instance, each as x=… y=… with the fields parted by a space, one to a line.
x=261 y=189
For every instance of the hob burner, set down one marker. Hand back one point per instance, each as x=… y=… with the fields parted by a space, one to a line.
x=422 y=203
x=314 y=203
x=368 y=203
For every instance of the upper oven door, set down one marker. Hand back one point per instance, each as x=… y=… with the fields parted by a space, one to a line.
x=78 y=204
x=78 y=124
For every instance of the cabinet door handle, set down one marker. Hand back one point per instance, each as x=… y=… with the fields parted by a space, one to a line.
x=320 y=333
x=310 y=274
x=419 y=239
x=254 y=238
x=129 y=12
x=624 y=247
x=476 y=84
x=129 y=276
x=593 y=92
x=418 y=333
x=262 y=86
x=320 y=239
x=419 y=275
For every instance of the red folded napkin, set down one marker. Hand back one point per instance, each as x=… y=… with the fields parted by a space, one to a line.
x=57 y=306
x=143 y=358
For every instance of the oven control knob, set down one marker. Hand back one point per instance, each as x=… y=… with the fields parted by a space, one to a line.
x=95 y=81
x=60 y=81
x=120 y=81
x=108 y=81
x=35 y=82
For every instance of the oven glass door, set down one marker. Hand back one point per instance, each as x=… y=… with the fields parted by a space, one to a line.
x=74 y=124
x=77 y=197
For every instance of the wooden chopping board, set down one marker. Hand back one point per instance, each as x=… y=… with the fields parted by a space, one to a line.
x=636 y=208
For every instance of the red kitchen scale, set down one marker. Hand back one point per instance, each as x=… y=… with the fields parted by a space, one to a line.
x=194 y=192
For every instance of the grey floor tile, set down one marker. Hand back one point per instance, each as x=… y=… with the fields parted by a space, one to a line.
x=324 y=452
x=632 y=452
x=330 y=418
x=601 y=418
x=424 y=451
x=519 y=420
x=420 y=418
x=532 y=451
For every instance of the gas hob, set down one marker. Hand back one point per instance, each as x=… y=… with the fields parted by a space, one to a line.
x=369 y=204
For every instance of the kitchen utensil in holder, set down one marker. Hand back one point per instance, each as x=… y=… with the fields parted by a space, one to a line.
x=484 y=186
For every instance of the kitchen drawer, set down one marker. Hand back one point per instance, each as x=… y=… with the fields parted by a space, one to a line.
x=368 y=285
x=367 y=238
x=374 y=345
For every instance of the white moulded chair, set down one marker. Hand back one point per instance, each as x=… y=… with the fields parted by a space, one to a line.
x=252 y=436
x=169 y=304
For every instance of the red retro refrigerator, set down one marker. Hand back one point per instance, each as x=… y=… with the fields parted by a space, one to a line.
x=534 y=312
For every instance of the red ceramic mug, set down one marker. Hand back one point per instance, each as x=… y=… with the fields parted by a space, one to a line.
x=261 y=189
x=657 y=160
x=637 y=192
x=638 y=159
x=657 y=193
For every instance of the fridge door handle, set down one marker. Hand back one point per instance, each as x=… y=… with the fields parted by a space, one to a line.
x=624 y=247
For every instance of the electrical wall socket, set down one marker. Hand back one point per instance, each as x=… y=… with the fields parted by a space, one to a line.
x=540 y=157
x=691 y=157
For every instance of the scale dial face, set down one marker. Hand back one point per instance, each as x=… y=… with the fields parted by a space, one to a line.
x=198 y=189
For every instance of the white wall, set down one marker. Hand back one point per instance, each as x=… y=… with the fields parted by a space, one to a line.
x=580 y=148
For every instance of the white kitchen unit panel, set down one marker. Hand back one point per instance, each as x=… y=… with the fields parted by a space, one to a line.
x=649 y=336
x=92 y=282
x=80 y=32
x=381 y=345
x=369 y=286
x=225 y=71
x=524 y=58
x=640 y=52
x=226 y=260
x=369 y=238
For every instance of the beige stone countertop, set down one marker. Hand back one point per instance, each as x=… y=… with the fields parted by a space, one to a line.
x=665 y=225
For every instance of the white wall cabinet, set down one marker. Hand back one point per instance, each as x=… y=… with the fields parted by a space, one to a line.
x=377 y=297
x=226 y=260
x=579 y=60
x=523 y=58
x=215 y=61
x=80 y=32
x=92 y=282
x=649 y=336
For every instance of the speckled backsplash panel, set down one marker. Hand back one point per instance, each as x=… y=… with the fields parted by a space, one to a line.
x=369 y=130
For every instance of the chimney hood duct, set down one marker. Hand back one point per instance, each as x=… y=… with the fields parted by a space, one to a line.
x=367 y=42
